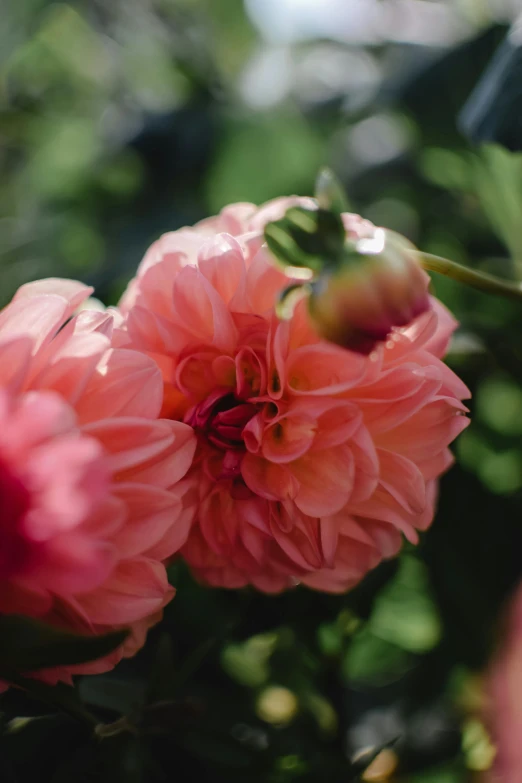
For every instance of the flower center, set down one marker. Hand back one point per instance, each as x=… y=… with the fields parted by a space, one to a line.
x=220 y=419
x=14 y=504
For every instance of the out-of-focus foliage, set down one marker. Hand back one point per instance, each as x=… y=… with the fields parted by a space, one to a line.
x=120 y=120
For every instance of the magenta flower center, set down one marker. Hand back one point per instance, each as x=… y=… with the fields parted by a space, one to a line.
x=220 y=419
x=14 y=504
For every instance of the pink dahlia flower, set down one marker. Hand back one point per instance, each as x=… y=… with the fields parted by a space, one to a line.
x=505 y=695
x=312 y=461
x=89 y=494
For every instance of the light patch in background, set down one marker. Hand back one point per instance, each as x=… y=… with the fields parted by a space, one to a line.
x=424 y=22
x=378 y=139
x=326 y=72
x=267 y=78
x=321 y=73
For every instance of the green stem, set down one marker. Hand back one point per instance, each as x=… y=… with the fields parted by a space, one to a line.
x=464 y=274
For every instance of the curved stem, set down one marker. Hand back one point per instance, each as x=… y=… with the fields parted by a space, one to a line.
x=468 y=276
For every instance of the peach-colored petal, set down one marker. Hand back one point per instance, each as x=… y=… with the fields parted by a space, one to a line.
x=69 y=369
x=70 y=290
x=15 y=357
x=403 y=480
x=300 y=543
x=324 y=369
x=135 y=589
x=325 y=482
x=439 y=342
x=201 y=311
x=151 y=512
x=125 y=383
x=220 y=259
x=37 y=319
x=288 y=438
x=76 y=563
x=137 y=447
x=154 y=332
x=270 y=481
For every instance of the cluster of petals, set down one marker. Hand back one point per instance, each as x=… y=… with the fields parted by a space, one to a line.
x=88 y=473
x=312 y=461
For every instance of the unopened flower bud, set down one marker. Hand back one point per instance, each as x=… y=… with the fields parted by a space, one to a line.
x=380 y=286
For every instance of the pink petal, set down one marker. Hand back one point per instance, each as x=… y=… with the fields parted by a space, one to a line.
x=157 y=452
x=69 y=369
x=288 y=438
x=264 y=282
x=70 y=290
x=152 y=332
x=403 y=480
x=268 y=480
x=337 y=420
x=37 y=416
x=37 y=318
x=152 y=512
x=126 y=383
x=329 y=532
x=201 y=311
x=218 y=522
x=393 y=405
x=436 y=466
x=324 y=369
x=301 y=543
x=195 y=375
x=250 y=374
x=14 y=362
x=366 y=465
x=135 y=589
x=82 y=484
x=446 y=325
x=76 y=564
x=427 y=431
x=94 y=321
x=175 y=537
x=325 y=481
x=254 y=542
x=382 y=507
x=220 y=259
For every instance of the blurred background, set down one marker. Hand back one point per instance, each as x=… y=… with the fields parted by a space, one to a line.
x=121 y=120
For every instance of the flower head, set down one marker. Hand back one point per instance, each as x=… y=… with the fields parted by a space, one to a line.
x=312 y=461
x=381 y=287
x=89 y=493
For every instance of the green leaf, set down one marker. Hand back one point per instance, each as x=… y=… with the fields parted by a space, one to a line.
x=374 y=661
x=404 y=613
x=329 y=192
x=28 y=645
x=312 y=238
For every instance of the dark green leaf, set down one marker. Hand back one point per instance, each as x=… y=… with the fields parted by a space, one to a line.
x=28 y=645
x=312 y=238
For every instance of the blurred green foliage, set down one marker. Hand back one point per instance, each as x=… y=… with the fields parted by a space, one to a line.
x=121 y=120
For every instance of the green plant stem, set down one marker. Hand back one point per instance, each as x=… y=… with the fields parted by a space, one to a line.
x=464 y=274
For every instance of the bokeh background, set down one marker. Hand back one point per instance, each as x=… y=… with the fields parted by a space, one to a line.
x=121 y=120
